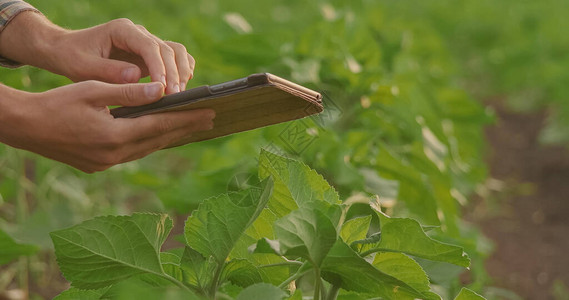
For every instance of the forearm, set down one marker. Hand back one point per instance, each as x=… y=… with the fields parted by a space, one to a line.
x=28 y=39
x=12 y=109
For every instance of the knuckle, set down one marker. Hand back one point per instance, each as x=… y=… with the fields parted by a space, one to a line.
x=128 y=95
x=165 y=49
x=108 y=158
x=99 y=168
x=153 y=44
x=94 y=84
x=140 y=27
x=177 y=46
x=165 y=126
x=121 y=22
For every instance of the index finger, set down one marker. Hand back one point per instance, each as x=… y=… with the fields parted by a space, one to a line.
x=128 y=37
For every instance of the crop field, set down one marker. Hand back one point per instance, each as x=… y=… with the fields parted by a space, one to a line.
x=398 y=190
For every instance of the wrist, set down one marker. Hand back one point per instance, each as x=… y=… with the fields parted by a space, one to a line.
x=12 y=114
x=29 y=39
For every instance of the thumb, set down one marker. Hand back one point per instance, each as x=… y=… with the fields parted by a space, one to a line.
x=133 y=94
x=113 y=71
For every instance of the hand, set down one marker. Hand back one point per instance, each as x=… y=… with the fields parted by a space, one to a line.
x=73 y=125
x=116 y=52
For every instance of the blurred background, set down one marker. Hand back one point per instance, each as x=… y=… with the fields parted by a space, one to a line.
x=454 y=112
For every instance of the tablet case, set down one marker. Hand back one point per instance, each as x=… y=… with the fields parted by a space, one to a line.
x=255 y=101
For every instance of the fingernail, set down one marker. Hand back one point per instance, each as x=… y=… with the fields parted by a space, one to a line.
x=153 y=90
x=163 y=80
x=182 y=86
x=129 y=75
x=176 y=88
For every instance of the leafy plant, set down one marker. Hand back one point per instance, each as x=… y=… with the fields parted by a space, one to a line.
x=10 y=249
x=290 y=235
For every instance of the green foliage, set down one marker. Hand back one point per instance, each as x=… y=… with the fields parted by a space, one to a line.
x=10 y=250
x=398 y=124
x=103 y=251
x=107 y=256
x=466 y=294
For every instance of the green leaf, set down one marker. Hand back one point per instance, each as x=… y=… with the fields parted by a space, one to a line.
x=197 y=270
x=241 y=272
x=105 y=250
x=355 y=229
x=10 y=250
x=75 y=293
x=171 y=265
x=266 y=245
x=261 y=291
x=406 y=269
x=345 y=268
x=307 y=233
x=138 y=287
x=466 y=294
x=407 y=236
x=214 y=228
x=293 y=181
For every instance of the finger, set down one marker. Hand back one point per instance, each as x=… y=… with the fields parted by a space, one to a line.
x=112 y=71
x=163 y=123
x=192 y=65
x=185 y=69
x=147 y=146
x=168 y=57
x=169 y=60
x=172 y=76
x=133 y=94
x=128 y=37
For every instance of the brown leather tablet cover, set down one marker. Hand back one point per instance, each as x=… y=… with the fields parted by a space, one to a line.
x=256 y=101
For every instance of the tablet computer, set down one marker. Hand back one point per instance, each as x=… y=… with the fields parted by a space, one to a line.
x=243 y=104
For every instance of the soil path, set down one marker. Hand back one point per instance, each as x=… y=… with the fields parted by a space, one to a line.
x=530 y=225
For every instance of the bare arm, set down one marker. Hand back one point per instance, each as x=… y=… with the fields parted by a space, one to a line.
x=115 y=52
x=72 y=124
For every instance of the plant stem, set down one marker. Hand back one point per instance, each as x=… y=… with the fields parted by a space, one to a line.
x=333 y=292
x=177 y=283
x=215 y=280
x=323 y=292
x=316 y=283
x=295 y=276
x=21 y=216
x=374 y=250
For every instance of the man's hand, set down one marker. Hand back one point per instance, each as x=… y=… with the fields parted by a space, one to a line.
x=73 y=125
x=116 y=52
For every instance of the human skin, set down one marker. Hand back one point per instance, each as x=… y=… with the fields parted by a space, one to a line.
x=72 y=124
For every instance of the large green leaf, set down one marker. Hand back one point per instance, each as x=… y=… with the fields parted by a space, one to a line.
x=105 y=250
x=261 y=291
x=307 y=233
x=196 y=269
x=355 y=229
x=142 y=288
x=214 y=228
x=241 y=272
x=466 y=294
x=407 y=236
x=343 y=267
x=10 y=250
x=75 y=293
x=293 y=181
x=404 y=268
